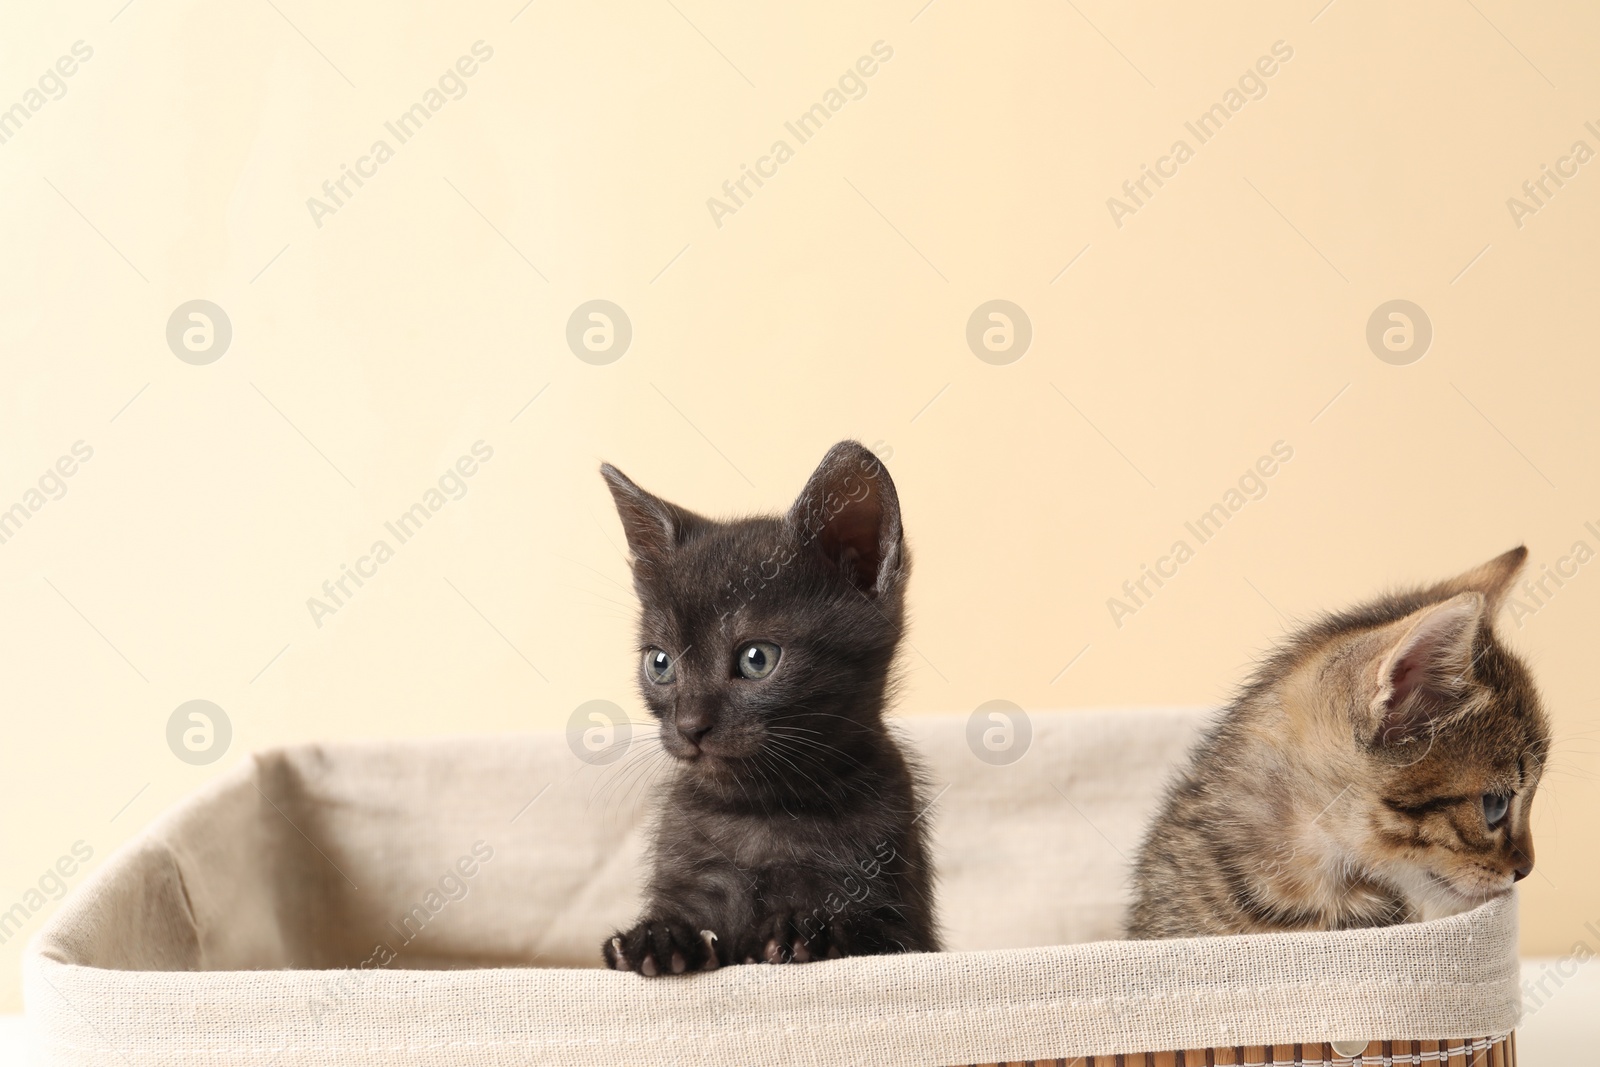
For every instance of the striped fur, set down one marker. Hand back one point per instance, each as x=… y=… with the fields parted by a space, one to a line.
x=1344 y=786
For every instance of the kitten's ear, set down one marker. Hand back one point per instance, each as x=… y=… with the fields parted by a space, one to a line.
x=849 y=514
x=652 y=525
x=1493 y=579
x=1426 y=669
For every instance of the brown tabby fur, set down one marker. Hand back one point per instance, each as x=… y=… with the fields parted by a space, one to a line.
x=1344 y=786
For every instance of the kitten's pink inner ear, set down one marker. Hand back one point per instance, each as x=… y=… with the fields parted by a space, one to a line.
x=853 y=538
x=849 y=516
x=1435 y=656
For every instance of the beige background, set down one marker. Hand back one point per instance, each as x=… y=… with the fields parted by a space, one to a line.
x=1227 y=314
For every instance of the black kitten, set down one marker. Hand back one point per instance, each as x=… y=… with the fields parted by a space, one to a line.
x=791 y=829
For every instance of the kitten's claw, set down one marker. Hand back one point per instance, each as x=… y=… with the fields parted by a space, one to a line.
x=791 y=938
x=658 y=947
x=712 y=963
x=794 y=937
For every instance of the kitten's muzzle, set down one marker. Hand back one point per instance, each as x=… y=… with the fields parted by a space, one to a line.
x=1521 y=849
x=1472 y=890
x=692 y=726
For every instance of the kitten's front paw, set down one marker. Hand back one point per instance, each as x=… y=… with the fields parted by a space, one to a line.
x=789 y=937
x=662 y=946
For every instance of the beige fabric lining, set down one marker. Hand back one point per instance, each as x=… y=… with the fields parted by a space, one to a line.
x=232 y=930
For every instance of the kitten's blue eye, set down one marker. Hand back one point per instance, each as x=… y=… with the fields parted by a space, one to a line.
x=757 y=659
x=658 y=667
x=1495 y=808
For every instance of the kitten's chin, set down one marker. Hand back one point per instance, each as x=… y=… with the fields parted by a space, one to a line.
x=1437 y=897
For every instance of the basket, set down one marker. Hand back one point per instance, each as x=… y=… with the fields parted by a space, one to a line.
x=442 y=903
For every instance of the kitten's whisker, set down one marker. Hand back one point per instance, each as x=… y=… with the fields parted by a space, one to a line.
x=629 y=609
x=813 y=753
x=601 y=573
x=779 y=736
x=618 y=781
x=618 y=787
x=639 y=788
x=776 y=752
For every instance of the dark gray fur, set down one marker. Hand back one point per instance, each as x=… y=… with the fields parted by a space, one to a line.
x=790 y=827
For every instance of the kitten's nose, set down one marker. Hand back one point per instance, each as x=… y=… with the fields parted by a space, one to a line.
x=1522 y=852
x=693 y=725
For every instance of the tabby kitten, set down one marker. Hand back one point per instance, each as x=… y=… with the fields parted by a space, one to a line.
x=1378 y=768
x=790 y=829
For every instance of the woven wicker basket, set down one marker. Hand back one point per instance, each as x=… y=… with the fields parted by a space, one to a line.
x=1484 y=1052
x=1479 y=1053
x=443 y=902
